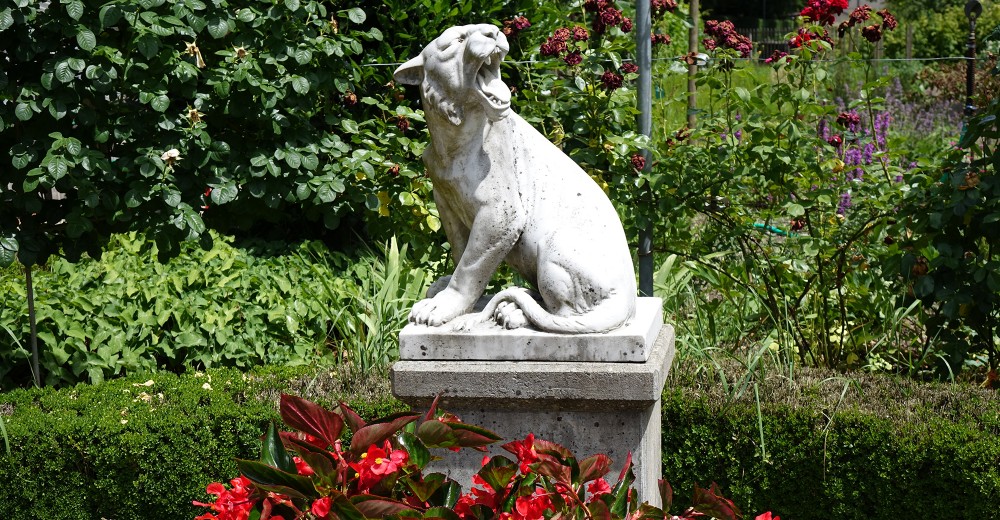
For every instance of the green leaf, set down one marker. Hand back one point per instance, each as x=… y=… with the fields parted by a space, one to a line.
x=246 y=15
x=109 y=15
x=8 y=249
x=160 y=103
x=74 y=146
x=273 y=479
x=303 y=56
x=75 y=9
x=6 y=19
x=300 y=85
x=273 y=451
x=148 y=45
x=225 y=193
x=310 y=161
x=218 y=27
x=357 y=15
x=419 y=454
x=172 y=198
x=350 y=126
x=796 y=210
x=292 y=5
x=63 y=72
x=23 y=111
x=85 y=39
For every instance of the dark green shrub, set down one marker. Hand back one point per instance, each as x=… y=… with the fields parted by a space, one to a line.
x=889 y=449
x=125 y=450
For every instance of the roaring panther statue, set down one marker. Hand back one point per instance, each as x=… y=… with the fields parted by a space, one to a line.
x=504 y=192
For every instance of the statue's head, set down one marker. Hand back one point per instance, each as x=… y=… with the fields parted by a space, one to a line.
x=460 y=70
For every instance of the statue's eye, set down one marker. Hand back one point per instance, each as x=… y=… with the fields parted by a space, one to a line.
x=461 y=39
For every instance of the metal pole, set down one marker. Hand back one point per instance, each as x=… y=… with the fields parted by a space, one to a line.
x=35 y=371
x=644 y=91
x=693 y=67
x=973 y=8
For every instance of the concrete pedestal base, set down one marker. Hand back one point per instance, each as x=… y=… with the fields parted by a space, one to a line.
x=594 y=407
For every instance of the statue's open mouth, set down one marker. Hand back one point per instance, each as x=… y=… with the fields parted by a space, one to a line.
x=494 y=92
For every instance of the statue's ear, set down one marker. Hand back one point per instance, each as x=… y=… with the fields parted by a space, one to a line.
x=411 y=72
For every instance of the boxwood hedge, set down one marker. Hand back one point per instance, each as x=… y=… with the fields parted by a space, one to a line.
x=869 y=447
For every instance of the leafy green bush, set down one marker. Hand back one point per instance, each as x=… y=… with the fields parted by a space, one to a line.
x=128 y=313
x=135 y=449
x=871 y=447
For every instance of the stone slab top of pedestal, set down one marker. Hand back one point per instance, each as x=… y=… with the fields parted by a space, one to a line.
x=490 y=342
x=558 y=385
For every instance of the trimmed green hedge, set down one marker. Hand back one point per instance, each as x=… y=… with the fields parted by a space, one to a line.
x=890 y=449
x=123 y=450
x=895 y=448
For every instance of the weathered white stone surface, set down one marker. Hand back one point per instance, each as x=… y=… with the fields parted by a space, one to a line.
x=504 y=192
x=611 y=408
x=492 y=342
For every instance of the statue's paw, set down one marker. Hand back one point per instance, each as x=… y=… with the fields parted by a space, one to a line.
x=466 y=322
x=438 y=310
x=509 y=316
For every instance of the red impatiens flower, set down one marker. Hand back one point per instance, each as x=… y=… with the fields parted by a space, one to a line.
x=232 y=504
x=376 y=463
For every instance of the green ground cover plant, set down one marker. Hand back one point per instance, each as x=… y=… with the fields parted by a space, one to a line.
x=237 y=306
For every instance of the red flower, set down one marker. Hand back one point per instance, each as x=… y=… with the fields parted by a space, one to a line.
x=532 y=507
x=573 y=59
x=402 y=123
x=302 y=468
x=823 y=12
x=580 y=34
x=659 y=7
x=598 y=487
x=376 y=463
x=872 y=33
x=321 y=507
x=860 y=14
x=888 y=20
x=767 y=516
x=626 y=25
x=524 y=451
x=611 y=80
x=660 y=39
x=847 y=119
x=835 y=140
x=231 y=504
x=629 y=68
x=638 y=161
x=775 y=56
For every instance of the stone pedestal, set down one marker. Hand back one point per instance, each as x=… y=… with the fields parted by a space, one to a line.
x=601 y=406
